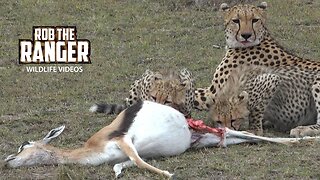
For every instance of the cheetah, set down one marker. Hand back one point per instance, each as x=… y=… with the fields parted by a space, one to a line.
x=249 y=43
x=175 y=89
x=277 y=98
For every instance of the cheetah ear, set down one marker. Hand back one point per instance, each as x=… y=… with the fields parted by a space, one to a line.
x=263 y=5
x=185 y=84
x=157 y=77
x=181 y=86
x=224 y=7
x=243 y=97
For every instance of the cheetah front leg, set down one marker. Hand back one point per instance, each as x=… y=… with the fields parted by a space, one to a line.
x=256 y=118
x=261 y=90
x=311 y=130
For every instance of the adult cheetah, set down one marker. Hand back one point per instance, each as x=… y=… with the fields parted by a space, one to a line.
x=249 y=43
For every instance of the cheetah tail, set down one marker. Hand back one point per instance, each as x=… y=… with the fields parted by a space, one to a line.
x=107 y=108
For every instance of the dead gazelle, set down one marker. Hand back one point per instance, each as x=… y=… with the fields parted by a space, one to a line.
x=146 y=129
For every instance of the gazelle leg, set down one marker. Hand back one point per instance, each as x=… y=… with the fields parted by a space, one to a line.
x=126 y=145
x=117 y=168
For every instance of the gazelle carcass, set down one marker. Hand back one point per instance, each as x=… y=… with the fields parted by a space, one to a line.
x=144 y=130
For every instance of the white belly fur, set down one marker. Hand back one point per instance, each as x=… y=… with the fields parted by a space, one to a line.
x=159 y=130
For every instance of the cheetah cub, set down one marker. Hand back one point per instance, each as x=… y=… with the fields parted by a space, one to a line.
x=280 y=98
x=168 y=87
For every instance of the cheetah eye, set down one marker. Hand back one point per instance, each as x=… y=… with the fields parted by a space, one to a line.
x=237 y=21
x=255 y=20
x=167 y=102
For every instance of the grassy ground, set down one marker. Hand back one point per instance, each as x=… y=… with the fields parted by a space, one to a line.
x=127 y=37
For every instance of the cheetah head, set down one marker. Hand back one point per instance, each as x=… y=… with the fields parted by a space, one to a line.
x=244 y=24
x=169 y=92
x=229 y=111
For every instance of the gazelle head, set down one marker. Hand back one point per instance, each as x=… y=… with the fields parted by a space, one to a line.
x=35 y=152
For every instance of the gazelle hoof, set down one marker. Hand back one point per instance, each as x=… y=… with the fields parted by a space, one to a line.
x=169 y=175
x=117 y=168
x=173 y=177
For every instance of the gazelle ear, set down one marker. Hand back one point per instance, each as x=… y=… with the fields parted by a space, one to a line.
x=53 y=134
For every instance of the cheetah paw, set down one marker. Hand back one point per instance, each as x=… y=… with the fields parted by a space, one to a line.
x=303 y=131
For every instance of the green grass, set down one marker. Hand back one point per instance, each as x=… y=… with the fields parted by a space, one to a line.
x=128 y=37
